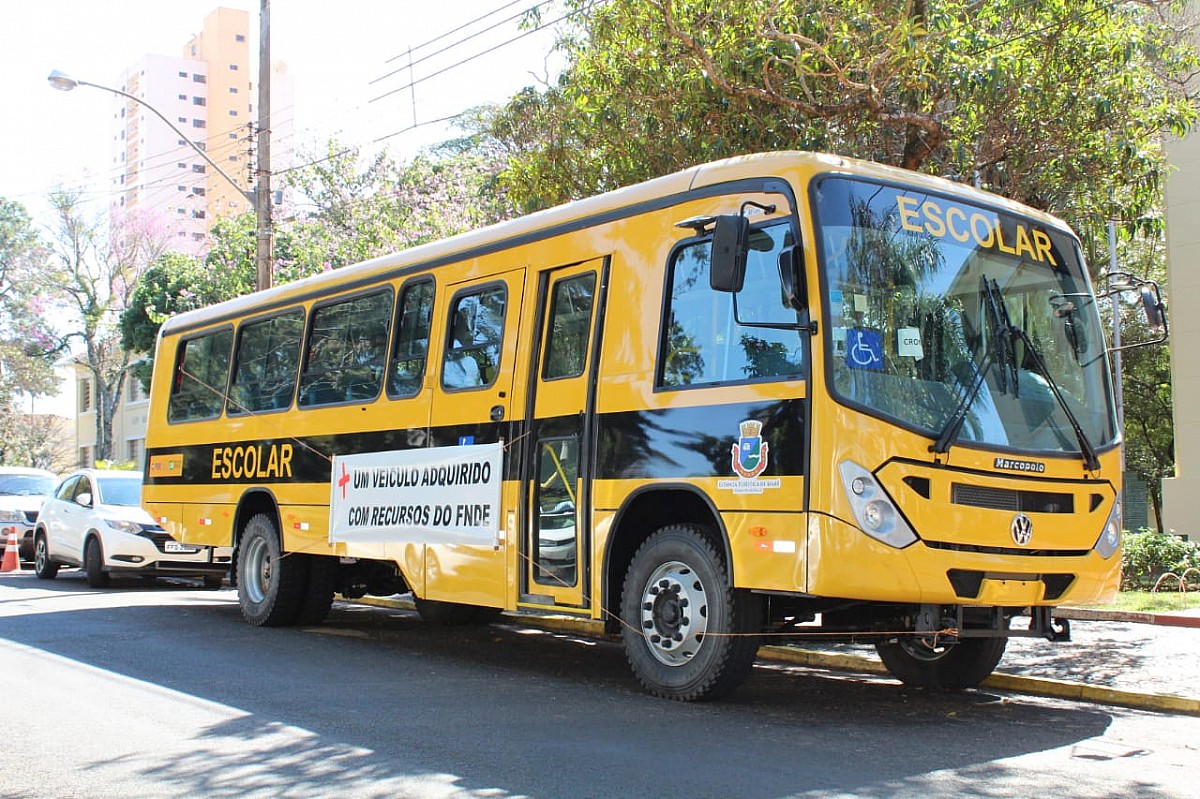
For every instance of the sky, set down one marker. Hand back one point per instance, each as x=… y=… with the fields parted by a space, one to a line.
x=339 y=53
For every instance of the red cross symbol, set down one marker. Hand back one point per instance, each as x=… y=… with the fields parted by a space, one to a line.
x=343 y=480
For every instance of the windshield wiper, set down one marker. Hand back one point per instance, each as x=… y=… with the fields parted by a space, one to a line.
x=1090 y=461
x=1000 y=343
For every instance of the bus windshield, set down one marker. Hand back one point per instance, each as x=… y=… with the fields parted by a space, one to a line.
x=943 y=312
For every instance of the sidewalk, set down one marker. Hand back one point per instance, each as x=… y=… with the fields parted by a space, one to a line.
x=1139 y=660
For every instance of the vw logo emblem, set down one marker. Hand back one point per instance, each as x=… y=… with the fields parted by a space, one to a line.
x=1022 y=529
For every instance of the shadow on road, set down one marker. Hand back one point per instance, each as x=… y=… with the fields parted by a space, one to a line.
x=374 y=699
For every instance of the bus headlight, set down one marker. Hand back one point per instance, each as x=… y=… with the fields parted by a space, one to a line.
x=873 y=510
x=1110 y=537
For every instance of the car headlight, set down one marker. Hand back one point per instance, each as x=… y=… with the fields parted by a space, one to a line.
x=11 y=516
x=1110 y=537
x=873 y=509
x=120 y=525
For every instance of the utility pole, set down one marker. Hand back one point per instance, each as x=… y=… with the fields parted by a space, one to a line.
x=263 y=233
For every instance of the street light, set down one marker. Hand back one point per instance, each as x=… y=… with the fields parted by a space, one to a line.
x=64 y=82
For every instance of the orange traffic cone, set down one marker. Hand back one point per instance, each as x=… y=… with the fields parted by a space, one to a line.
x=10 y=563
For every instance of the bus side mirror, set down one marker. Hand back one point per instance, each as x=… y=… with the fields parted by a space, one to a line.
x=1152 y=304
x=727 y=269
x=791 y=278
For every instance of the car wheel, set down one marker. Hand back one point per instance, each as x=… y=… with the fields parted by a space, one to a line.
x=688 y=635
x=44 y=566
x=270 y=583
x=93 y=564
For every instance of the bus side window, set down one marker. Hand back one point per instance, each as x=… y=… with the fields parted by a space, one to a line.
x=267 y=358
x=570 y=315
x=476 y=332
x=201 y=369
x=702 y=342
x=414 y=315
x=347 y=343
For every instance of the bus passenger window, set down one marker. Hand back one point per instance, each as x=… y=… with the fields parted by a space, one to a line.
x=570 y=318
x=702 y=342
x=476 y=332
x=414 y=314
x=346 y=349
x=201 y=370
x=267 y=357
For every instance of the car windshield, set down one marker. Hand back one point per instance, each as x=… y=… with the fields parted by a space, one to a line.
x=120 y=490
x=25 y=485
x=939 y=308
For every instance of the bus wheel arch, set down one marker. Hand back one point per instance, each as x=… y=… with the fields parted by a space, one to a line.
x=644 y=513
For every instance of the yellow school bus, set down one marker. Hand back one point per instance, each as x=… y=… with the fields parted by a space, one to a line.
x=770 y=396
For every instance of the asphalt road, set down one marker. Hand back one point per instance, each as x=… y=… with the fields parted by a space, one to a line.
x=164 y=692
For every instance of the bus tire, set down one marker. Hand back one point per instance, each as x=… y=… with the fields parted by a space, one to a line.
x=270 y=584
x=318 y=590
x=688 y=635
x=951 y=668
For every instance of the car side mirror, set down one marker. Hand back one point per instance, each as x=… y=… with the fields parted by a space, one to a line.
x=84 y=499
x=727 y=269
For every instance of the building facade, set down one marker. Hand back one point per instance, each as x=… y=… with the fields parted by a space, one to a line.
x=161 y=183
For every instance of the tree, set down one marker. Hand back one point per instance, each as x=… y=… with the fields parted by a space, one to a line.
x=91 y=276
x=360 y=208
x=1058 y=103
x=26 y=346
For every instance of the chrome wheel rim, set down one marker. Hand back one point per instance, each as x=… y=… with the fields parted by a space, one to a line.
x=256 y=574
x=40 y=556
x=674 y=613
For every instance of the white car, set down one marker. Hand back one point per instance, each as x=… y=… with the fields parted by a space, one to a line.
x=22 y=492
x=95 y=520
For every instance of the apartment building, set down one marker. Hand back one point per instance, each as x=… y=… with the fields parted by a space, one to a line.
x=207 y=94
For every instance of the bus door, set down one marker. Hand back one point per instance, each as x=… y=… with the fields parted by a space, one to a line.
x=472 y=404
x=556 y=549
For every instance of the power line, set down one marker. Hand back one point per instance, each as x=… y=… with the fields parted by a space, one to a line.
x=468 y=24
x=461 y=41
x=489 y=50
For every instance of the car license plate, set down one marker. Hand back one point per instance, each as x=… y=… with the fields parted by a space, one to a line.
x=175 y=546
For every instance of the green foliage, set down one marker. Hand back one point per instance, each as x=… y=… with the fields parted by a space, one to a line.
x=1059 y=103
x=116 y=465
x=1147 y=555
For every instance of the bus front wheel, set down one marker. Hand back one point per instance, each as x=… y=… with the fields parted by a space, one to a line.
x=923 y=663
x=688 y=635
x=270 y=584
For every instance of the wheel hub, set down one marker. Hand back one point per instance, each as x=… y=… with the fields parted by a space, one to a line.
x=674 y=613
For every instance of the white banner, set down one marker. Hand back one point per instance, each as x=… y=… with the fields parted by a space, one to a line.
x=437 y=495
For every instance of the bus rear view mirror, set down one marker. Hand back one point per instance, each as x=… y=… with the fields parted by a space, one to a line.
x=1152 y=304
x=727 y=270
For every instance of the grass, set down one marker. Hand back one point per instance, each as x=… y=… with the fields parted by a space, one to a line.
x=1162 y=601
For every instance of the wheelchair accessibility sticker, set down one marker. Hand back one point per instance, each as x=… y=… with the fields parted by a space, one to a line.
x=864 y=349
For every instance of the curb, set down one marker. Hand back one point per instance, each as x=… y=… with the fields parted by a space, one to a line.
x=1035 y=686
x=1133 y=616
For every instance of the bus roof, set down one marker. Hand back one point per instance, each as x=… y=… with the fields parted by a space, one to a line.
x=504 y=234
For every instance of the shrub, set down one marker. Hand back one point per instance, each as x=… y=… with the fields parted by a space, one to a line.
x=1147 y=555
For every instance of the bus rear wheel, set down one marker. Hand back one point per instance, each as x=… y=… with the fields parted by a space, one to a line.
x=270 y=584
x=922 y=663
x=688 y=635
